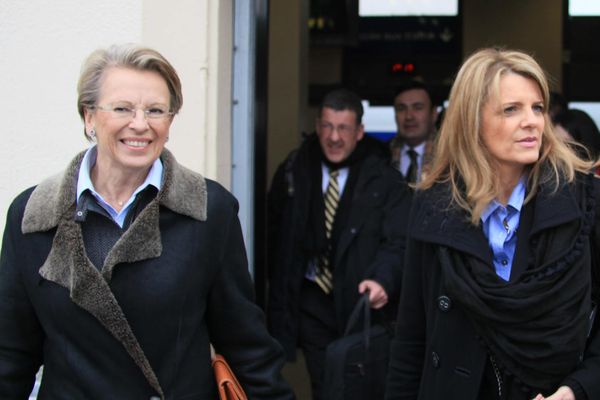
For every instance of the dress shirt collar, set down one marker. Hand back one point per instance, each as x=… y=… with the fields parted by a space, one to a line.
x=516 y=200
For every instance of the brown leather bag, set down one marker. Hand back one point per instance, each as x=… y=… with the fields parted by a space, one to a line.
x=229 y=387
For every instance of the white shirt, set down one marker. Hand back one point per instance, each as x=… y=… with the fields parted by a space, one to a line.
x=405 y=158
x=341 y=179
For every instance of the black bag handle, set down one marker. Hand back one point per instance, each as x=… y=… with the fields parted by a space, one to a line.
x=362 y=305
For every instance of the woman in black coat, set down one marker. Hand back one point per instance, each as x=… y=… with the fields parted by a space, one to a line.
x=499 y=285
x=118 y=274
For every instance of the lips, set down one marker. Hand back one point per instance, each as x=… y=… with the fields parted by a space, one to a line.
x=530 y=141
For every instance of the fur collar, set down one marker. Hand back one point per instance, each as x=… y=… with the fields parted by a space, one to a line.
x=52 y=205
x=184 y=192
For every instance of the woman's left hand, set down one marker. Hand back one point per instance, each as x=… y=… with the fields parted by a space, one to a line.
x=377 y=295
x=563 y=393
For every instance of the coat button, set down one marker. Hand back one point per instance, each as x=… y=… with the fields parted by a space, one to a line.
x=444 y=303
x=353 y=231
x=435 y=360
x=154 y=398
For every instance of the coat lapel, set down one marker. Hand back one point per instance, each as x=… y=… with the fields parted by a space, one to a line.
x=358 y=207
x=433 y=221
x=140 y=242
x=67 y=265
x=554 y=208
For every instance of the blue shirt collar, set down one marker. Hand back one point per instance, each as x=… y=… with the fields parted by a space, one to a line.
x=516 y=200
x=84 y=180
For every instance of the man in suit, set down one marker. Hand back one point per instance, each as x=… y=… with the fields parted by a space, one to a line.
x=416 y=115
x=337 y=215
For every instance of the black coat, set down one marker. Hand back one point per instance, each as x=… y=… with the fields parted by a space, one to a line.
x=370 y=244
x=436 y=352
x=176 y=280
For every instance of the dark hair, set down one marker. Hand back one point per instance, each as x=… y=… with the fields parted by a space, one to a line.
x=416 y=85
x=558 y=105
x=582 y=129
x=343 y=99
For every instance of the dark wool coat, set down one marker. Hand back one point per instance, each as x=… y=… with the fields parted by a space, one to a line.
x=436 y=352
x=370 y=244
x=140 y=328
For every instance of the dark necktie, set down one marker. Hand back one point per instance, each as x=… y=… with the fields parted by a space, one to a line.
x=324 y=276
x=413 y=168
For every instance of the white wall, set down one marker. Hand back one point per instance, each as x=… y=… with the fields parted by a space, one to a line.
x=42 y=46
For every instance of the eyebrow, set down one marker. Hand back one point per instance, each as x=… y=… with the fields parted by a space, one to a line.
x=410 y=104
x=516 y=102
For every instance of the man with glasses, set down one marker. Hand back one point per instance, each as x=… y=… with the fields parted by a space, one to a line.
x=337 y=212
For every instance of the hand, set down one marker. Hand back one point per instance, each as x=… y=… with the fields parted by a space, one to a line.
x=377 y=295
x=563 y=393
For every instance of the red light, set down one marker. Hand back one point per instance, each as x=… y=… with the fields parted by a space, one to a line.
x=397 y=67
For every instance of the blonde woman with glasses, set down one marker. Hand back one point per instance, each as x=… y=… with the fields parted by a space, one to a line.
x=117 y=274
x=501 y=273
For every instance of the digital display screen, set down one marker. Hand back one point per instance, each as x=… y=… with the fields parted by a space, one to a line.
x=408 y=8
x=580 y=8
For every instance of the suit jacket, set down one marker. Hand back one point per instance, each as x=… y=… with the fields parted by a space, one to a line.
x=437 y=352
x=140 y=327
x=370 y=245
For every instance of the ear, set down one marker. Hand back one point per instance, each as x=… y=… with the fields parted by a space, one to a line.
x=361 y=132
x=88 y=118
x=434 y=114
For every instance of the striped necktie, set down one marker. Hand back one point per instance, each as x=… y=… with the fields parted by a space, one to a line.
x=324 y=276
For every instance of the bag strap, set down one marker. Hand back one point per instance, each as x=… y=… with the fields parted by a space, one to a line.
x=362 y=306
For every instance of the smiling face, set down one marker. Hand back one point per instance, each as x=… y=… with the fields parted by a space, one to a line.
x=512 y=125
x=129 y=144
x=338 y=133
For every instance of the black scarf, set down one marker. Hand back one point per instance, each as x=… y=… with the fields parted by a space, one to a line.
x=535 y=326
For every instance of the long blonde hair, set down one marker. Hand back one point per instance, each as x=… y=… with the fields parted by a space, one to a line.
x=460 y=157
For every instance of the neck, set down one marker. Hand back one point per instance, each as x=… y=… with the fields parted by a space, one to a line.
x=412 y=143
x=508 y=180
x=116 y=185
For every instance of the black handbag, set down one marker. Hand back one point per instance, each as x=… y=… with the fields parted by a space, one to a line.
x=356 y=364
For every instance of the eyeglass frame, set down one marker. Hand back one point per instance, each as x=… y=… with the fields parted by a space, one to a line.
x=132 y=111
x=342 y=129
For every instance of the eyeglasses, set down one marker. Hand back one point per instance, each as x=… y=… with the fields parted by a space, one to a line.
x=328 y=128
x=127 y=110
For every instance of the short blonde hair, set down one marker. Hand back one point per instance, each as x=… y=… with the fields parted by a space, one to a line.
x=126 y=56
x=461 y=158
